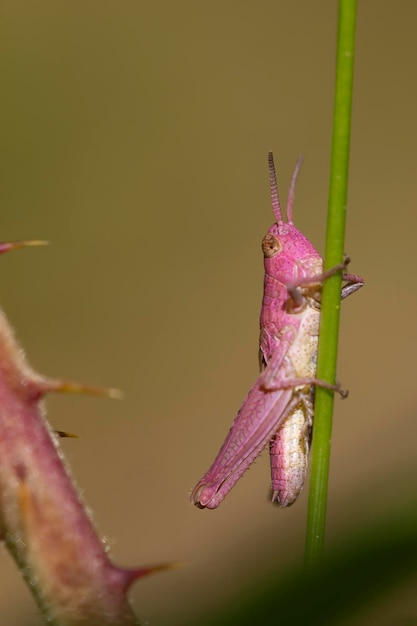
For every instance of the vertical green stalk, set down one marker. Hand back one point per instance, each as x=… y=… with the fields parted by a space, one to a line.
x=330 y=312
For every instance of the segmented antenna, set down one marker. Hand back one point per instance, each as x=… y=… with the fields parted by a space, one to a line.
x=290 y=200
x=276 y=206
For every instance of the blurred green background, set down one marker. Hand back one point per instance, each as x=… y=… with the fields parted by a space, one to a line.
x=134 y=138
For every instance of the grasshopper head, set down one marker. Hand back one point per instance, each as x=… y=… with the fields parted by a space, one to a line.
x=285 y=248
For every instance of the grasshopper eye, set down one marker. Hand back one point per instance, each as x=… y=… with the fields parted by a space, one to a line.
x=270 y=245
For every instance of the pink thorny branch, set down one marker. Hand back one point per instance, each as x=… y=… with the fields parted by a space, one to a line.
x=43 y=521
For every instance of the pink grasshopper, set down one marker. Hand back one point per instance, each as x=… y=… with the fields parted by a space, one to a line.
x=279 y=408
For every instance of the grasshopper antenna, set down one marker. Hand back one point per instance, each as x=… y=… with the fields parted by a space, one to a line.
x=291 y=192
x=276 y=206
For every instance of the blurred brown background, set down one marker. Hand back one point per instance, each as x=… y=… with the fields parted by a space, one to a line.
x=134 y=138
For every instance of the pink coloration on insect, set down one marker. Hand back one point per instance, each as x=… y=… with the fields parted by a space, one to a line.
x=279 y=408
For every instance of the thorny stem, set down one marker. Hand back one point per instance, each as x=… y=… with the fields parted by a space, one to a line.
x=43 y=520
x=330 y=312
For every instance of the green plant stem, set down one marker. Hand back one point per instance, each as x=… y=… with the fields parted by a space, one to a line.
x=330 y=312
